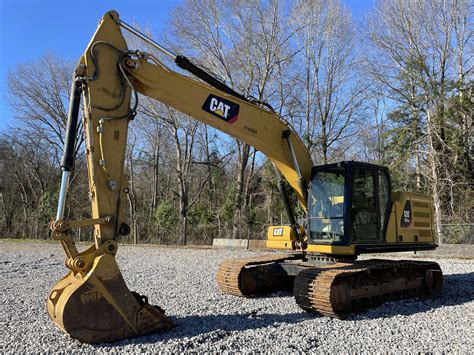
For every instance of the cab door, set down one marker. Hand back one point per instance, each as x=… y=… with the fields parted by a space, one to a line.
x=384 y=202
x=365 y=215
x=370 y=203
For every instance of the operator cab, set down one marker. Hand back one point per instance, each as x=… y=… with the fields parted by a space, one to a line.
x=349 y=203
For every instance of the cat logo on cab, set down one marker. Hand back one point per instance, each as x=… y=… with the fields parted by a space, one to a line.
x=222 y=108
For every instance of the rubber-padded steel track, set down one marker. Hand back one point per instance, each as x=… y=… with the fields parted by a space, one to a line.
x=233 y=279
x=344 y=289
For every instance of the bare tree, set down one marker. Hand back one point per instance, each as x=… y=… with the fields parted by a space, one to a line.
x=247 y=50
x=39 y=95
x=183 y=131
x=331 y=96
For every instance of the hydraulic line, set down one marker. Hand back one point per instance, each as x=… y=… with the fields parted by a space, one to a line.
x=186 y=64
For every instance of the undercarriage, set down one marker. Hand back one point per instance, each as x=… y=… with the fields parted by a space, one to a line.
x=331 y=286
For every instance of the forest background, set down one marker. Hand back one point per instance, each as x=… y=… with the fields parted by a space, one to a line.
x=393 y=88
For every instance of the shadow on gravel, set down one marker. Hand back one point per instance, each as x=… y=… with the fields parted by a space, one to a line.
x=457 y=289
x=213 y=327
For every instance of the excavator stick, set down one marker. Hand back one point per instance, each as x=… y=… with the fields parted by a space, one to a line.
x=92 y=303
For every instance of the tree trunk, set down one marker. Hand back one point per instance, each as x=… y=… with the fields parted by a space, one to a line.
x=324 y=142
x=433 y=162
x=183 y=212
x=132 y=198
x=240 y=198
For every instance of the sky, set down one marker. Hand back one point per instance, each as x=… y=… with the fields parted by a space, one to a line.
x=31 y=28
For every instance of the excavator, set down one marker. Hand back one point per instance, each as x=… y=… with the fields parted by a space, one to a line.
x=350 y=207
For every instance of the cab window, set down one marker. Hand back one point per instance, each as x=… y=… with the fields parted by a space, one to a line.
x=364 y=211
x=326 y=206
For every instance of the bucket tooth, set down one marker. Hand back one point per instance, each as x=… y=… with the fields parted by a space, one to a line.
x=98 y=306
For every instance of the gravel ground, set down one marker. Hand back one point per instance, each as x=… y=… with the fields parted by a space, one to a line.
x=182 y=282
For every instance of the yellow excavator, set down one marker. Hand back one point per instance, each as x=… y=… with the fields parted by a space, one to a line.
x=350 y=207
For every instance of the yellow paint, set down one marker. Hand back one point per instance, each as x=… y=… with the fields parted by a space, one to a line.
x=281 y=244
x=331 y=249
x=421 y=228
x=107 y=91
x=280 y=233
x=336 y=199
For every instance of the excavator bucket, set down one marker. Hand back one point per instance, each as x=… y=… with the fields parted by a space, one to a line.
x=98 y=306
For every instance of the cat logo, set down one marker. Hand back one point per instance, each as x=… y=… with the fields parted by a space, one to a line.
x=221 y=108
x=277 y=232
x=90 y=296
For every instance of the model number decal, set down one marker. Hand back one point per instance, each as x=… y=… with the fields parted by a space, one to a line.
x=406 y=215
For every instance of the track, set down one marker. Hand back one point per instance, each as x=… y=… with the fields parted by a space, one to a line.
x=335 y=290
x=238 y=277
x=346 y=289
